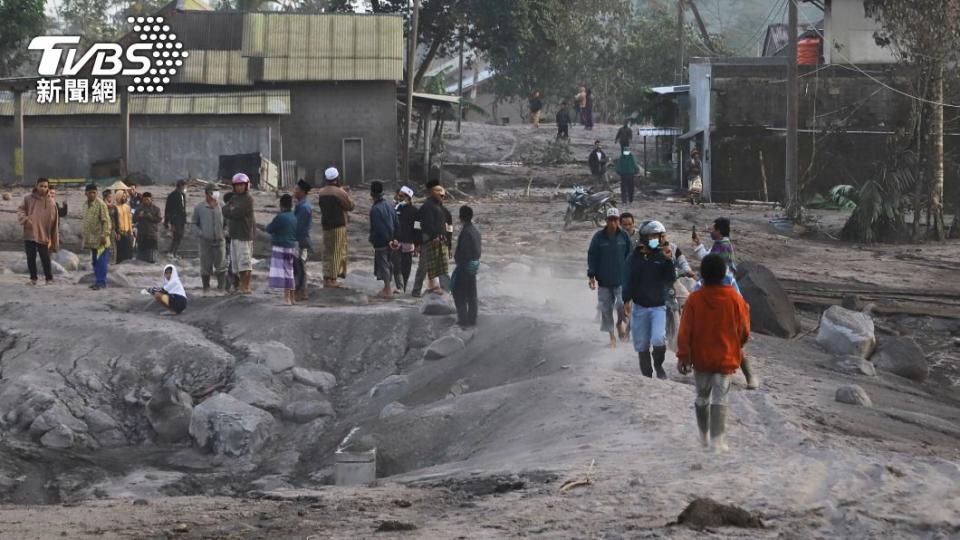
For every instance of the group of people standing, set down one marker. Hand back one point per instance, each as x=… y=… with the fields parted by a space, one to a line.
x=635 y=275
x=582 y=111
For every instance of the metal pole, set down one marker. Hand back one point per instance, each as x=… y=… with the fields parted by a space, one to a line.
x=680 y=41
x=18 y=163
x=460 y=86
x=790 y=176
x=408 y=114
x=646 y=168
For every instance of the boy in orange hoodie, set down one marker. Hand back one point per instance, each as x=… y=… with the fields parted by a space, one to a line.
x=714 y=328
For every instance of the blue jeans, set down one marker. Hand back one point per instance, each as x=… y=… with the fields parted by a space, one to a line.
x=649 y=327
x=100 y=266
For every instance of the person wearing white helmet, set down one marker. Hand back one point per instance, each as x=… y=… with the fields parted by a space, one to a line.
x=649 y=272
x=606 y=258
x=242 y=227
x=334 y=203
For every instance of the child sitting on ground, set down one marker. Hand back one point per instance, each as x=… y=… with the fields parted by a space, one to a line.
x=713 y=329
x=172 y=295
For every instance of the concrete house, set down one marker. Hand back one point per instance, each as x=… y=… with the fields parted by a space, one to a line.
x=305 y=91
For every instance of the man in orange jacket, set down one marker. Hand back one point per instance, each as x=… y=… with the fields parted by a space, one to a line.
x=713 y=330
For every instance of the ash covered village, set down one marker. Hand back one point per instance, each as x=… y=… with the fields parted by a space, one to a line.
x=479 y=269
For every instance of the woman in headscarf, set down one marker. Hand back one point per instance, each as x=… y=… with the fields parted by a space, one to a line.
x=172 y=295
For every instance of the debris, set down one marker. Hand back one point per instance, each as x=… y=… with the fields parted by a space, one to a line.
x=703 y=513
x=585 y=480
x=853 y=394
x=392 y=525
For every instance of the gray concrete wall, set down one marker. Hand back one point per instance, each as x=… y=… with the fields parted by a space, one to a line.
x=166 y=148
x=323 y=114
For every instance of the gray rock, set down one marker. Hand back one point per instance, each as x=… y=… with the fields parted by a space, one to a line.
x=902 y=356
x=443 y=347
x=853 y=395
x=169 y=412
x=59 y=437
x=389 y=386
x=393 y=409
x=69 y=260
x=845 y=332
x=254 y=393
x=273 y=354
x=853 y=365
x=99 y=421
x=437 y=304
x=771 y=310
x=254 y=372
x=115 y=278
x=304 y=411
x=228 y=426
x=20 y=267
x=56 y=416
x=319 y=379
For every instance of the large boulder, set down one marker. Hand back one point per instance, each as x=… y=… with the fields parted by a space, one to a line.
x=59 y=438
x=169 y=412
x=846 y=332
x=273 y=354
x=58 y=415
x=68 y=260
x=853 y=394
x=302 y=412
x=20 y=267
x=771 y=311
x=443 y=347
x=253 y=392
x=392 y=385
x=114 y=279
x=317 y=379
x=902 y=356
x=437 y=304
x=228 y=426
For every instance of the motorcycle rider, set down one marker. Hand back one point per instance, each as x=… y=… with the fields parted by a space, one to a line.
x=605 y=265
x=649 y=273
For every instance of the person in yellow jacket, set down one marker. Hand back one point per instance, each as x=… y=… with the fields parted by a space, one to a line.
x=97 y=231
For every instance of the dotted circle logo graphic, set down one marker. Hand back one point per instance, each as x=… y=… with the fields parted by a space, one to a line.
x=166 y=57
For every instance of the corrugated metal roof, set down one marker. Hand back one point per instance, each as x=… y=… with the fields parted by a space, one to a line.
x=261 y=102
x=437 y=99
x=215 y=67
x=325 y=47
x=213 y=30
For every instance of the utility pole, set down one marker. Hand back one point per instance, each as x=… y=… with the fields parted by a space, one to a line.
x=790 y=180
x=679 y=41
x=460 y=85
x=408 y=114
x=703 y=27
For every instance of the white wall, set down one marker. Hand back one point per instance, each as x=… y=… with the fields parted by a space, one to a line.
x=849 y=35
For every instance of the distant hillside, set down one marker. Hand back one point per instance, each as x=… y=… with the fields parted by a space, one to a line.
x=741 y=23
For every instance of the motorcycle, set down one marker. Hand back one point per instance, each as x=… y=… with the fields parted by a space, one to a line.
x=585 y=206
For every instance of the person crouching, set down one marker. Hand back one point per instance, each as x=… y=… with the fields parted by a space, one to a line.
x=172 y=295
x=713 y=329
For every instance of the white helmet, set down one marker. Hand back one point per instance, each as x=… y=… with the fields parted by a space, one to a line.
x=613 y=212
x=652 y=227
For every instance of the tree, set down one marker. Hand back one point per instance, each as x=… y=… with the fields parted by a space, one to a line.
x=924 y=35
x=20 y=20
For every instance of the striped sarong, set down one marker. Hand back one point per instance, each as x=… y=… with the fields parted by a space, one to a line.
x=335 y=253
x=437 y=258
x=281 y=267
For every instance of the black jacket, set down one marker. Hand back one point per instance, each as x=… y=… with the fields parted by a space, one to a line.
x=468 y=245
x=563 y=117
x=535 y=104
x=407 y=233
x=624 y=136
x=175 y=211
x=434 y=218
x=647 y=277
x=597 y=160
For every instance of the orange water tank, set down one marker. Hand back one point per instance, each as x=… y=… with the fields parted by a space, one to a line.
x=808 y=51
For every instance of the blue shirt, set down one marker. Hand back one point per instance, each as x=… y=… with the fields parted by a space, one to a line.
x=383 y=224
x=304 y=214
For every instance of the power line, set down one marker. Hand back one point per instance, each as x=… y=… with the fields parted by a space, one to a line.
x=871 y=77
x=777 y=7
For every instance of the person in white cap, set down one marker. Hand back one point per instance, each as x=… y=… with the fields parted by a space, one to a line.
x=407 y=235
x=242 y=227
x=606 y=258
x=334 y=203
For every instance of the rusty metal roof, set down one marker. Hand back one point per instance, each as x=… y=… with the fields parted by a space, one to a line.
x=215 y=67
x=258 y=102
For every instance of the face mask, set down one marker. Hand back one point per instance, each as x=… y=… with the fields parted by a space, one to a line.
x=653 y=243
x=215 y=195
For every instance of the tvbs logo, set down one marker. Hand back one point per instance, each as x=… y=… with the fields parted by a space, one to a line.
x=151 y=61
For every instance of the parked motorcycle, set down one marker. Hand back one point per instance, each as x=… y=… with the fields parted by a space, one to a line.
x=585 y=206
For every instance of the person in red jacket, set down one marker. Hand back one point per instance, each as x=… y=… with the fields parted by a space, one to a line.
x=713 y=330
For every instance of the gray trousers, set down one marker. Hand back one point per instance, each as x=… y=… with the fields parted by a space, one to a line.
x=712 y=388
x=213 y=257
x=609 y=299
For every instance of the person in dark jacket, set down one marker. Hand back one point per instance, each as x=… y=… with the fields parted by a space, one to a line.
x=588 y=111
x=334 y=203
x=536 y=105
x=605 y=265
x=175 y=215
x=648 y=274
x=627 y=168
x=304 y=214
x=563 y=121
x=283 y=239
x=463 y=283
x=436 y=229
x=242 y=228
x=147 y=219
x=624 y=135
x=407 y=235
x=598 y=161
x=383 y=229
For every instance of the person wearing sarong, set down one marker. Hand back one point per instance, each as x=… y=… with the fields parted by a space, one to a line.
x=437 y=229
x=147 y=219
x=334 y=203
x=383 y=237
x=283 y=237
